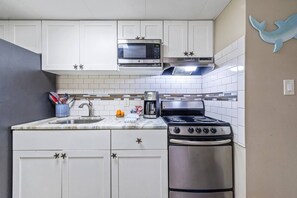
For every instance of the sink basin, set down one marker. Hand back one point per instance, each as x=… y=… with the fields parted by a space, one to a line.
x=77 y=121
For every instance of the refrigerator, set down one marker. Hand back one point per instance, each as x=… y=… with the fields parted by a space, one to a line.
x=23 y=98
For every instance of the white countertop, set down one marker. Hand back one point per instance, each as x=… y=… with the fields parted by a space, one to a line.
x=109 y=122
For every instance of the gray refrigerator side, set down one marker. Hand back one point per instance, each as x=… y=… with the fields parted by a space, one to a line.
x=23 y=98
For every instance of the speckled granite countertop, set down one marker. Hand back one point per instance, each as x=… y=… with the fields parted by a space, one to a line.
x=109 y=122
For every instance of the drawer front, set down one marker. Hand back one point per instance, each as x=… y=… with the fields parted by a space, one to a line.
x=139 y=139
x=57 y=140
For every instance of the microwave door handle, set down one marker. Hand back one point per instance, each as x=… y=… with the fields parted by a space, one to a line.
x=200 y=143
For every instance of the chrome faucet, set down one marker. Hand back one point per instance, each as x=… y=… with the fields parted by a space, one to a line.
x=90 y=107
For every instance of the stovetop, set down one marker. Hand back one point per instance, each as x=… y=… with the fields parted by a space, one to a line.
x=197 y=126
x=191 y=120
x=187 y=118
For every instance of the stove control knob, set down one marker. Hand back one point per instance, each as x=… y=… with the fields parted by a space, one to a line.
x=198 y=130
x=213 y=130
x=206 y=130
x=190 y=130
x=176 y=130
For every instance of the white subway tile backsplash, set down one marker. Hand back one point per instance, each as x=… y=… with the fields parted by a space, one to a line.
x=241 y=117
x=228 y=77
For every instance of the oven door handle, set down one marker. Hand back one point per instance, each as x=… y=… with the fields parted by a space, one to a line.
x=200 y=143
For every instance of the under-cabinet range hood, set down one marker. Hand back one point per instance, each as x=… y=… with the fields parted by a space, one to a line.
x=187 y=66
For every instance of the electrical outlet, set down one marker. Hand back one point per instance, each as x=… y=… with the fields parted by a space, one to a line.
x=126 y=102
x=289 y=88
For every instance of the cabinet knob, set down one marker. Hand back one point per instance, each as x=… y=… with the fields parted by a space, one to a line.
x=56 y=155
x=191 y=53
x=137 y=37
x=75 y=66
x=63 y=155
x=186 y=53
x=142 y=37
x=81 y=66
x=139 y=140
x=114 y=155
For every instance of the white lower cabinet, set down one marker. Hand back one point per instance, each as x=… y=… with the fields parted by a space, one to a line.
x=90 y=164
x=139 y=164
x=73 y=174
x=86 y=174
x=61 y=164
x=139 y=174
x=36 y=174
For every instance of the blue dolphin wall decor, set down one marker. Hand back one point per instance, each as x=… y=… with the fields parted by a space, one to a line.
x=286 y=30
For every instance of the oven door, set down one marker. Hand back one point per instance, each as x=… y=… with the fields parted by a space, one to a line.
x=139 y=51
x=179 y=194
x=200 y=165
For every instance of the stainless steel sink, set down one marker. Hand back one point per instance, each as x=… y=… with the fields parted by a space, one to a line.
x=77 y=121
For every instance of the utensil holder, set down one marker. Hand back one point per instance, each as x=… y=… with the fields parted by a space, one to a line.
x=62 y=110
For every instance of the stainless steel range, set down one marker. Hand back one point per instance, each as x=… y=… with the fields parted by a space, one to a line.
x=200 y=152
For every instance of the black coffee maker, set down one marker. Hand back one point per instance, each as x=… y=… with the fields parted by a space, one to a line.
x=151 y=104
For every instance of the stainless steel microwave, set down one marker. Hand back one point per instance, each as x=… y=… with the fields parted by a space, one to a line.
x=140 y=52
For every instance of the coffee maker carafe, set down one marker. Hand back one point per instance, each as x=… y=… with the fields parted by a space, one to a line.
x=151 y=104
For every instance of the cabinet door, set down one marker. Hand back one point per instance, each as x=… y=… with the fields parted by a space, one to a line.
x=98 y=45
x=26 y=34
x=86 y=174
x=128 y=29
x=201 y=38
x=36 y=174
x=152 y=29
x=139 y=174
x=175 y=38
x=4 y=30
x=60 y=45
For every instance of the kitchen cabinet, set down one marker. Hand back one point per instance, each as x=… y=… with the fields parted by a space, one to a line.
x=188 y=39
x=175 y=38
x=67 y=164
x=26 y=34
x=60 y=45
x=75 y=164
x=98 y=45
x=4 y=30
x=74 y=45
x=140 y=29
x=36 y=174
x=139 y=164
x=201 y=38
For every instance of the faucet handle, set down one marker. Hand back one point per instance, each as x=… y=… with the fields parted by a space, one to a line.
x=90 y=103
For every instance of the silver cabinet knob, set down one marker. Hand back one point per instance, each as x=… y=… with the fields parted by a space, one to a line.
x=186 y=53
x=137 y=37
x=75 y=66
x=114 y=155
x=191 y=53
x=142 y=37
x=81 y=66
x=57 y=155
x=63 y=155
x=138 y=140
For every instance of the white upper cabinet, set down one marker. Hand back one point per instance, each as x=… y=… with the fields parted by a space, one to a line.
x=201 y=38
x=75 y=45
x=140 y=29
x=175 y=38
x=128 y=29
x=26 y=34
x=188 y=39
x=98 y=45
x=4 y=30
x=152 y=29
x=60 y=45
